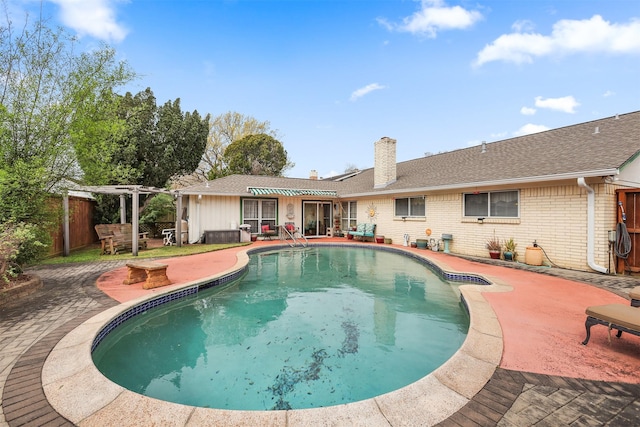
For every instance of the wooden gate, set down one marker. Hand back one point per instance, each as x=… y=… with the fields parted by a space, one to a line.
x=81 y=232
x=629 y=204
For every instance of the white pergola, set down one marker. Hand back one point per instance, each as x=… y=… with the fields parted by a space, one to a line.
x=123 y=191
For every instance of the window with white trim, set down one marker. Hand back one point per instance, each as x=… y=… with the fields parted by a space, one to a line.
x=349 y=213
x=410 y=207
x=255 y=212
x=492 y=204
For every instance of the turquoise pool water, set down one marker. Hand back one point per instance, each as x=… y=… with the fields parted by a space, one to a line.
x=303 y=328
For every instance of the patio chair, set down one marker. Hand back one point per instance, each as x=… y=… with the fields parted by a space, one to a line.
x=267 y=232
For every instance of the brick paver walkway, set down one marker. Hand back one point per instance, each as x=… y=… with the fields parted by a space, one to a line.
x=31 y=327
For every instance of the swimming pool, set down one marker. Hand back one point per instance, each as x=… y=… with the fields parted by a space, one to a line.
x=359 y=332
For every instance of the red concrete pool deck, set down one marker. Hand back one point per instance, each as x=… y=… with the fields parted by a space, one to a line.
x=542 y=317
x=522 y=364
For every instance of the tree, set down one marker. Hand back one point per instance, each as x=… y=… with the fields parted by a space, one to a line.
x=224 y=130
x=44 y=88
x=350 y=167
x=96 y=135
x=180 y=143
x=256 y=155
x=159 y=142
x=144 y=145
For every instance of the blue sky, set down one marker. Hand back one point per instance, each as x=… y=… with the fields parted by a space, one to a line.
x=334 y=76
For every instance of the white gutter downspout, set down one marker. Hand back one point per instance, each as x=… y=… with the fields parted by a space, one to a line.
x=591 y=227
x=197 y=221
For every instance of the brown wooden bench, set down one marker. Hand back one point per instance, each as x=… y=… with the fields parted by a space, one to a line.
x=153 y=274
x=116 y=238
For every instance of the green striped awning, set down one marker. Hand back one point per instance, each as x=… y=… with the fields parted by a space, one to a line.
x=259 y=191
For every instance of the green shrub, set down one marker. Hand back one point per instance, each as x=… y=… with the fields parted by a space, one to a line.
x=19 y=244
x=159 y=207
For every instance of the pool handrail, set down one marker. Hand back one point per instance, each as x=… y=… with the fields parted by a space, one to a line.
x=295 y=236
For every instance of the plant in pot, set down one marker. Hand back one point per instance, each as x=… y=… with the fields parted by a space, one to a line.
x=494 y=247
x=509 y=250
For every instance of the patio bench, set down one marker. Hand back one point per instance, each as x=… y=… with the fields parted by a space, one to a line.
x=364 y=230
x=118 y=237
x=153 y=274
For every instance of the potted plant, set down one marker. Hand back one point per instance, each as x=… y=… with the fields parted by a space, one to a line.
x=509 y=250
x=494 y=247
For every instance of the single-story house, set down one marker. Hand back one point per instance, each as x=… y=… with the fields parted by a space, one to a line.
x=563 y=189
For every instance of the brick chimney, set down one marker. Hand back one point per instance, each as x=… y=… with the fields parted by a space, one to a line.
x=384 y=168
x=313 y=175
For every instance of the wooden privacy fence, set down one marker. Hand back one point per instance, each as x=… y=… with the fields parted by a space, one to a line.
x=81 y=232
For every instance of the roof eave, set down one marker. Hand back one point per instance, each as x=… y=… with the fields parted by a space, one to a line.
x=492 y=183
x=213 y=193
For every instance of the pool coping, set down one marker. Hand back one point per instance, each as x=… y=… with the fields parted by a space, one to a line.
x=70 y=379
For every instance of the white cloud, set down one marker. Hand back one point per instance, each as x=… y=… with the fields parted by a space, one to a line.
x=95 y=18
x=565 y=104
x=365 y=90
x=521 y=26
x=608 y=94
x=528 y=111
x=498 y=135
x=434 y=16
x=567 y=37
x=529 y=129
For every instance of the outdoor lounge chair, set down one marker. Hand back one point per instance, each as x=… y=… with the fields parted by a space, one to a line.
x=624 y=318
x=634 y=295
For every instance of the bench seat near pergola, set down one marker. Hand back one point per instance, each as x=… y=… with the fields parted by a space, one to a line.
x=122 y=191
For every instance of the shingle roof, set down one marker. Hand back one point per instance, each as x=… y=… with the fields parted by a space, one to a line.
x=564 y=152
x=595 y=148
x=239 y=185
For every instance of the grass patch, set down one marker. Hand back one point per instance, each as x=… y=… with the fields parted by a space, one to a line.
x=93 y=254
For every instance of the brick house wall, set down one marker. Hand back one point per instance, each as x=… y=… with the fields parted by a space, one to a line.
x=555 y=216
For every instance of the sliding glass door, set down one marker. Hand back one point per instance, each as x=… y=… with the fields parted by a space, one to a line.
x=317 y=217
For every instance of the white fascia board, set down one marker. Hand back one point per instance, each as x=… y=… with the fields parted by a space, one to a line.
x=211 y=193
x=500 y=182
